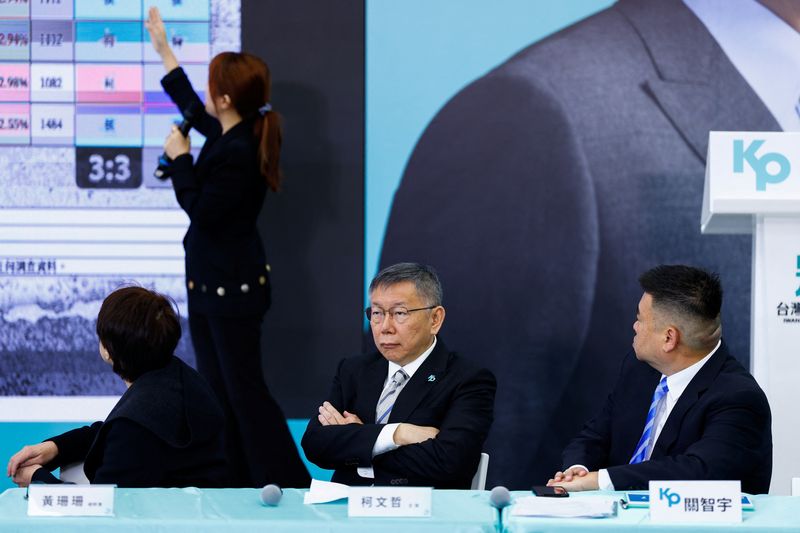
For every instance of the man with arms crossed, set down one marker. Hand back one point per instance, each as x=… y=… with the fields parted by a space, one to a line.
x=682 y=408
x=412 y=414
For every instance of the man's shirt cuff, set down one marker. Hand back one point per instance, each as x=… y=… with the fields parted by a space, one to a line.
x=385 y=441
x=604 y=480
x=577 y=466
x=366 y=472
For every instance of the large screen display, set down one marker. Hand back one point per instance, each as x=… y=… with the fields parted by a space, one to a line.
x=83 y=119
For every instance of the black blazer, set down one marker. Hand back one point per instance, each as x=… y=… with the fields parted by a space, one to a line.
x=165 y=431
x=447 y=392
x=226 y=267
x=719 y=429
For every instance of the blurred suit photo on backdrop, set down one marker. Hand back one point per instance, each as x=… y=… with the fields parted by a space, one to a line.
x=413 y=413
x=565 y=172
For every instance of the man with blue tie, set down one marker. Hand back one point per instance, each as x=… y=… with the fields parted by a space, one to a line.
x=682 y=408
x=412 y=413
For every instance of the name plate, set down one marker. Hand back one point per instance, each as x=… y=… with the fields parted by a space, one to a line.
x=696 y=502
x=389 y=501
x=71 y=500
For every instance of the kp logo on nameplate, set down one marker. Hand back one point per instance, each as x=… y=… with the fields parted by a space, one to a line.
x=696 y=502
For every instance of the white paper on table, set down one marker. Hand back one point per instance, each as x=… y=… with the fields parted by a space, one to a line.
x=325 y=491
x=565 y=507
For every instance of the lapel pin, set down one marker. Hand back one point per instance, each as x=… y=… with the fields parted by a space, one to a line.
x=432 y=378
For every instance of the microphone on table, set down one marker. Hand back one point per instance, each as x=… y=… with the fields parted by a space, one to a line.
x=163 y=170
x=500 y=498
x=271 y=495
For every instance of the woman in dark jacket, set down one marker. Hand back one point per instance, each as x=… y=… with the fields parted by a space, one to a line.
x=227 y=276
x=165 y=431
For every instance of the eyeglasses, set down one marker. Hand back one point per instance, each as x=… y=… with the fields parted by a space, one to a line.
x=398 y=314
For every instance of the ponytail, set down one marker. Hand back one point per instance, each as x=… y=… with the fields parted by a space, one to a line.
x=268 y=133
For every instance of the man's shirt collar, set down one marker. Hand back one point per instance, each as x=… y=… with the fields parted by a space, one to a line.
x=414 y=365
x=678 y=381
x=763 y=48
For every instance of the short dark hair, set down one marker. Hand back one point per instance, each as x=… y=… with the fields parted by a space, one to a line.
x=422 y=276
x=685 y=289
x=140 y=329
x=688 y=293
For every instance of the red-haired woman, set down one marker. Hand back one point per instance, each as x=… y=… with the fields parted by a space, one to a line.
x=227 y=277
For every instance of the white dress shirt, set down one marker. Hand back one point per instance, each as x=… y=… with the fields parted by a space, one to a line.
x=763 y=48
x=385 y=441
x=676 y=384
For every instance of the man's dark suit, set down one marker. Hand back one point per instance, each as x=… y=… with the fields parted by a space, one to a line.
x=447 y=392
x=562 y=175
x=720 y=428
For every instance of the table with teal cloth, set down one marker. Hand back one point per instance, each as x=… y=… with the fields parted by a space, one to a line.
x=197 y=511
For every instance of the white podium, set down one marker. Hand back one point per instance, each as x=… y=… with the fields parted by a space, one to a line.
x=753 y=186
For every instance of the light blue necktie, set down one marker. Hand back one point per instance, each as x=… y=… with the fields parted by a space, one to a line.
x=389 y=396
x=647 y=434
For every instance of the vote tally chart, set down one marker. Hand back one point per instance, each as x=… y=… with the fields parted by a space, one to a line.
x=83 y=118
x=83 y=73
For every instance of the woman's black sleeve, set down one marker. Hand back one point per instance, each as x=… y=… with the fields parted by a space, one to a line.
x=180 y=91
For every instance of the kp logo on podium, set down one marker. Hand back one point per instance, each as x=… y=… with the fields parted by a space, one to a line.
x=770 y=167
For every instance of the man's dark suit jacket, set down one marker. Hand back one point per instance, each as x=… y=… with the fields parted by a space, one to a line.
x=565 y=173
x=720 y=428
x=447 y=392
x=165 y=431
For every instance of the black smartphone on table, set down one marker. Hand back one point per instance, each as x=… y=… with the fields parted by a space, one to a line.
x=550 y=492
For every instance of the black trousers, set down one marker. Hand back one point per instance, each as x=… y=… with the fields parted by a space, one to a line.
x=260 y=448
